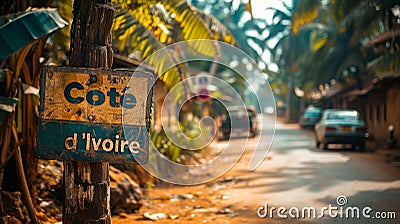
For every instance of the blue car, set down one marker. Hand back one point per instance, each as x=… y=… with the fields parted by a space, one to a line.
x=310 y=117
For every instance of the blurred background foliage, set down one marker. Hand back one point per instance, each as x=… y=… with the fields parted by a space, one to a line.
x=309 y=42
x=325 y=37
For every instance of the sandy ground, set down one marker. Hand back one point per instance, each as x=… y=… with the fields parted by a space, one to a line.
x=295 y=173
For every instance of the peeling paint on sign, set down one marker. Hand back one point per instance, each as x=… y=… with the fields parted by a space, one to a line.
x=81 y=115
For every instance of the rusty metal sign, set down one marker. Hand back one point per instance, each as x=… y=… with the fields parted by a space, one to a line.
x=94 y=115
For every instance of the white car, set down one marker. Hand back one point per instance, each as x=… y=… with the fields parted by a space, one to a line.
x=340 y=127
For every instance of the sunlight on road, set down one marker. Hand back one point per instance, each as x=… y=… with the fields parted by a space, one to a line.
x=296 y=173
x=300 y=162
x=305 y=156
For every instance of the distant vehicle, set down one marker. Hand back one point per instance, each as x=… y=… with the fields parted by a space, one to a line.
x=340 y=127
x=241 y=120
x=310 y=117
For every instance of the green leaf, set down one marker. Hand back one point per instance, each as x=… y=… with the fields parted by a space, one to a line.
x=31 y=26
x=317 y=40
x=8 y=104
x=306 y=11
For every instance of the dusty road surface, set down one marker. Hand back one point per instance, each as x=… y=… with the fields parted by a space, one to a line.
x=298 y=182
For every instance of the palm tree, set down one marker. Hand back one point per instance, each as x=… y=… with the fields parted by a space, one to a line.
x=334 y=32
x=143 y=27
x=304 y=30
x=248 y=32
x=148 y=26
x=286 y=53
x=20 y=67
x=338 y=31
x=280 y=27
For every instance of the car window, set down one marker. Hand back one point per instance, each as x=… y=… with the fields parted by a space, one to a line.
x=312 y=113
x=343 y=115
x=237 y=113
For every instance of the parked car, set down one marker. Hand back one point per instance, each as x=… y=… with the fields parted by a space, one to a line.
x=310 y=117
x=240 y=120
x=340 y=127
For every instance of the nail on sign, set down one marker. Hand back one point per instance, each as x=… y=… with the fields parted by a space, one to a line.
x=81 y=115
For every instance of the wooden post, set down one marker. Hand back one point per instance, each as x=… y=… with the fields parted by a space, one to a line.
x=87 y=185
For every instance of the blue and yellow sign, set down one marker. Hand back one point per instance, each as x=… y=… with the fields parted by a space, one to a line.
x=94 y=115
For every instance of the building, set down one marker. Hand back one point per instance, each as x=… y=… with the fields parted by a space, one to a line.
x=375 y=96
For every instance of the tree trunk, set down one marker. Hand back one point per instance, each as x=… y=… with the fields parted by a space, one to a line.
x=160 y=97
x=292 y=104
x=87 y=185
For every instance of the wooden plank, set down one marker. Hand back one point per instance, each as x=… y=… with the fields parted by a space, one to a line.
x=63 y=140
x=88 y=114
x=87 y=184
x=70 y=96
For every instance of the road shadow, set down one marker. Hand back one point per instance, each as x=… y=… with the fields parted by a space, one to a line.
x=315 y=170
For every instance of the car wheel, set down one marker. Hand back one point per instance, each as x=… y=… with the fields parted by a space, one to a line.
x=361 y=147
x=324 y=146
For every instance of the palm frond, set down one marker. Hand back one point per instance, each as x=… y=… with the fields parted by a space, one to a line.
x=386 y=64
x=128 y=4
x=306 y=11
x=219 y=30
x=148 y=26
x=289 y=8
x=359 y=20
x=133 y=36
x=280 y=15
x=275 y=30
x=192 y=26
x=239 y=12
x=172 y=21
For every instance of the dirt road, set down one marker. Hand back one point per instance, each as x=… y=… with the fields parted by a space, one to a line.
x=295 y=176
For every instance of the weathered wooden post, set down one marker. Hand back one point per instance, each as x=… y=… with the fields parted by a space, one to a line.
x=87 y=184
x=82 y=119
